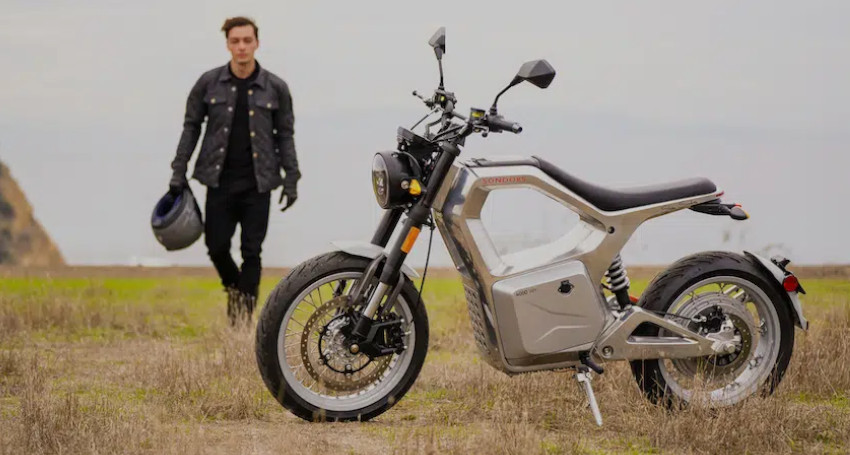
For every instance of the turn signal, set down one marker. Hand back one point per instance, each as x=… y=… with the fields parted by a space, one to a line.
x=415 y=189
x=410 y=239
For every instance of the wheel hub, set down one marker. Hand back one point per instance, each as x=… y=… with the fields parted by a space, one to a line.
x=334 y=346
x=727 y=322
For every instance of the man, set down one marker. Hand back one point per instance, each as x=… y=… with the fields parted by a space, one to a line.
x=248 y=139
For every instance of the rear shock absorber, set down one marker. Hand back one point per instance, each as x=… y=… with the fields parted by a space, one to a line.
x=618 y=281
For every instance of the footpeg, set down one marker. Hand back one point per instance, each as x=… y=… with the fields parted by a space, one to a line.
x=583 y=376
x=586 y=360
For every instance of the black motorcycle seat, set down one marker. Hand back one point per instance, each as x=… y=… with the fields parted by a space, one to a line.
x=612 y=200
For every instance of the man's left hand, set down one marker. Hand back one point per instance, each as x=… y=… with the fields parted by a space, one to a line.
x=290 y=194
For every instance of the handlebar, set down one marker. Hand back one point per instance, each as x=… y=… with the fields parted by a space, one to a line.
x=427 y=102
x=495 y=123
x=498 y=124
x=460 y=116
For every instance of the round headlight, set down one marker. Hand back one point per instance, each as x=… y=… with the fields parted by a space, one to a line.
x=391 y=176
x=380 y=180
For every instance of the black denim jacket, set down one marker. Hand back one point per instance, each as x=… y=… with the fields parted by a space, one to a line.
x=270 y=120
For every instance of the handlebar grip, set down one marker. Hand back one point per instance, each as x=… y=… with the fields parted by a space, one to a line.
x=500 y=124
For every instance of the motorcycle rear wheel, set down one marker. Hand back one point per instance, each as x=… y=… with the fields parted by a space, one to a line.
x=747 y=299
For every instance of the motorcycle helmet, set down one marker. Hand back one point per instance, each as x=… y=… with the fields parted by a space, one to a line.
x=177 y=221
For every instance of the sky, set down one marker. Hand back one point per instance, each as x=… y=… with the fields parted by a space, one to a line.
x=751 y=94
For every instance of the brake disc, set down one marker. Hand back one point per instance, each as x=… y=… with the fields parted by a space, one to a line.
x=327 y=336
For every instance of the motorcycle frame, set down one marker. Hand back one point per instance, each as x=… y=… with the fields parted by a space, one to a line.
x=594 y=241
x=458 y=194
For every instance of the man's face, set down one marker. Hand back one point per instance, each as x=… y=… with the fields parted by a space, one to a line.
x=242 y=43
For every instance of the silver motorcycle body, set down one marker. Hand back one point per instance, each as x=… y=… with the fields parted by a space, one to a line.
x=538 y=309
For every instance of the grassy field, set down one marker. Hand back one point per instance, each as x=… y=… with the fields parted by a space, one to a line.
x=147 y=365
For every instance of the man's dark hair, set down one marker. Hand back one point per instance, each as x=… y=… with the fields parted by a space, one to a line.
x=239 y=21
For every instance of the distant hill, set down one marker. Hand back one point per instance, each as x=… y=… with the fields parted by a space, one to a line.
x=23 y=241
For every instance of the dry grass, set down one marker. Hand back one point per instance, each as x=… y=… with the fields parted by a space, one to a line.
x=123 y=367
x=545 y=413
x=48 y=421
x=216 y=382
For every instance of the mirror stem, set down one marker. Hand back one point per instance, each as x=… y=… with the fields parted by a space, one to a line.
x=440 y=63
x=493 y=110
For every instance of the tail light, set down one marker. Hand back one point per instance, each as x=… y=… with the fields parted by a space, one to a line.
x=791 y=284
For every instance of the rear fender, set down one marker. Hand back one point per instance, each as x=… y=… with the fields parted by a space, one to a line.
x=370 y=251
x=778 y=274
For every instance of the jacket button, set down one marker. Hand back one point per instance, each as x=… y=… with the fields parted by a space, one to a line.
x=250 y=92
x=229 y=108
x=212 y=101
x=274 y=131
x=252 y=134
x=221 y=150
x=251 y=113
x=255 y=155
x=269 y=105
x=225 y=129
x=233 y=88
x=218 y=166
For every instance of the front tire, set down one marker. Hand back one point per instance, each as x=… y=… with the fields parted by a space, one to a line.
x=695 y=287
x=332 y=397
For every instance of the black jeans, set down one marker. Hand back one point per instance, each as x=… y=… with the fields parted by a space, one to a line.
x=224 y=210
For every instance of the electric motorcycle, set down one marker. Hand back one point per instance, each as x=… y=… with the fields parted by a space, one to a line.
x=344 y=335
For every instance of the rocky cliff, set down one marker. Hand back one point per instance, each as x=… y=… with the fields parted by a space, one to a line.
x=23 y=241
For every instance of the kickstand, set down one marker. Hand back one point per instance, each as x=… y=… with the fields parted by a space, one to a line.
x=583 y=377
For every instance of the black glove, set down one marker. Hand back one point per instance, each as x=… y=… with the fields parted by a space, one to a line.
x=177 y=184
x=291 y=195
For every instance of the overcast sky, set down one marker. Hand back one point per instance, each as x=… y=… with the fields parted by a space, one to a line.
x=753 y=95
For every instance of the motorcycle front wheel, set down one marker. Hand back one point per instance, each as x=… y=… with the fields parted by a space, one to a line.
x=301 y=344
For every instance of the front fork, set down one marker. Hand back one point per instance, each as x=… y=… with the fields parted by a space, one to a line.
x=391 y=277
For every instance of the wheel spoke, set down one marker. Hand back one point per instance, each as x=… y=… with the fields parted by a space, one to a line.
x=310 y=301
x=304 y=311
x=340 y=288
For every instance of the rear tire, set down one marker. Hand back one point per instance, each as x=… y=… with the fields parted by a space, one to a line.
x=294 y=396
x=654 y=376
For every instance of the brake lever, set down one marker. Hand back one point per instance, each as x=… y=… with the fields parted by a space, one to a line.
x=433 y=110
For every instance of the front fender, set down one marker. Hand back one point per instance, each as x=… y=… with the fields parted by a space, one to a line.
x=779 y=275
x=371 y=251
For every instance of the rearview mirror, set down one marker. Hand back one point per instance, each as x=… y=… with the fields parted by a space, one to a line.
x=538 y=72
x=438 y=42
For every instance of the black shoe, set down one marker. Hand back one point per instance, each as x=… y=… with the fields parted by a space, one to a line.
x=240 y=306
x=250 y=302
x=247 y=302
x=234 y=304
